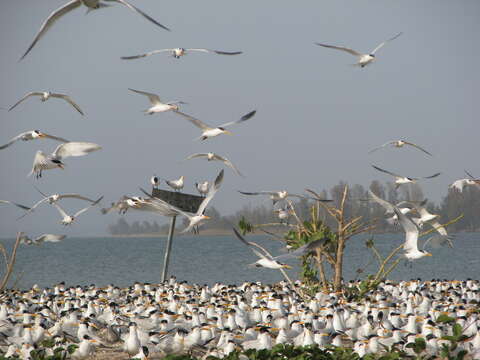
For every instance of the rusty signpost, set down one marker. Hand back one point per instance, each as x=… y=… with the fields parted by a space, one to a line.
x=186 y=202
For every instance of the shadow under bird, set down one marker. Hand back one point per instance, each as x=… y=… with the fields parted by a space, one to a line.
x=177 y=53
x=91 y=5
x=400 y=144
x=32 y=135
x=399 y=179
x=215 y=157
x=44 y=161
x=45 y=95
x=363 y=59
x=157 y=104
x=209 y=132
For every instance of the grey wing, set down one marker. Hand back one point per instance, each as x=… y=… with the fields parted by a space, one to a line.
x=385 y=204
x=211 y=192
x=13 y=203
x=32 y=93
x=33 y=208
x=154 y=98
x=54 y=16
x=88 y=207
x=74 y=149
x=418 y=147
x=242 y=119
x=382 y=146
x=386 y=41
x=145 y=55
x=12 y=140
x=258 y=193
x=131 y=7
x=60 y=210
x=385 y=171
x=55 y=138
x=193 y=156
x=50 y=238
x=75 y=196
x=69 y=100
x=470 y=175
x=432 y=176
x=250 y=244
x=228 y=163
x=341 y=48
x=217 y=51
x=193 y=120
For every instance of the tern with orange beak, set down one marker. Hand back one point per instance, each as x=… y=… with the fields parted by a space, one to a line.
x=209 y=132
x=31 y=135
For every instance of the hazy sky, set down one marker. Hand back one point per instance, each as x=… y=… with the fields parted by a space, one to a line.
x=317 y=116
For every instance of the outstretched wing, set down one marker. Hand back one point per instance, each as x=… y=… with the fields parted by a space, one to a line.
x=69 y=100
x=303 y=250
x=385 y=171
x=145 y=54
x=418 y=147
x=14 y=203
x=154 y=98
x=211 y=193
x=411 y=231
x=32 y=93
x=88 y=207
x=216 y=51
x=432 y=176
x=228 y=163
x=341 y=48
x=381 y=146
x=74 y=149
x=242 y=119
x=193 y=156
x=50 y=238
x=12 y=140
x=54 y=16
x=54 y=137
x=60 y=210
x=385 y=204
x=137 y=10
x=386 y=41
x=75 y=196
x=194 y=121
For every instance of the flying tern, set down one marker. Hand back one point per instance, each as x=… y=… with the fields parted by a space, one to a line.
x=51 y=199
x=199 y=217
x=411 y=237
x=363 y=59
x=399 y=144
x=460 y=184
x=275 y=196
x=44 y=161
x=121 y=205
x=157 y=105
x=45 y=95
x=177 y=184
x=399 y=180
x=69 y=219
x=41 y=239
x=91 y=5
x=209 y=132
x=265 y=260
x=177 y=53
x=31 y=135
x=215 y=157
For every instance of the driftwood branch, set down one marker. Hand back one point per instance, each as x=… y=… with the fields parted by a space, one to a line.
x=9 y=262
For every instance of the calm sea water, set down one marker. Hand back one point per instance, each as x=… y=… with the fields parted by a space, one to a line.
x=206 y=260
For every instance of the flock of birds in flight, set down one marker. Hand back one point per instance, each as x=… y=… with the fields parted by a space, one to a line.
x=222 y=319
x=55 y=160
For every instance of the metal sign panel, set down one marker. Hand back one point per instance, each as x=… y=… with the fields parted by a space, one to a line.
x=186 y=202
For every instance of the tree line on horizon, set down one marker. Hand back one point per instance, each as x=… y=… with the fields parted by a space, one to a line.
x=452 y=205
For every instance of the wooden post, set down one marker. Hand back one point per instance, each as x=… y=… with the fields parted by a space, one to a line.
x=169 y=247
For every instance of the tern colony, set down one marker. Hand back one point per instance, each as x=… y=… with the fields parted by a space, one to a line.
x=175 y=317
